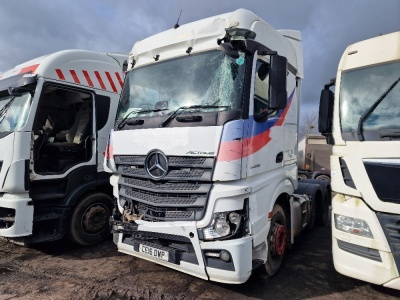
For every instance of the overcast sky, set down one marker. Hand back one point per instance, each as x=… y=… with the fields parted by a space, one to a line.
x=29 y=29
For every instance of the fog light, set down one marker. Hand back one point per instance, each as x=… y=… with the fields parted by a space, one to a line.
x=224 y=255
x=212 y=254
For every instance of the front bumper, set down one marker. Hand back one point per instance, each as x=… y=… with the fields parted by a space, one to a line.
x=367 y=259
x=193 y=260
x=16 y=215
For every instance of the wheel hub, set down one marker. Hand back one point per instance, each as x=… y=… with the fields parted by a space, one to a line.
x=278 y=239
x=94 y=219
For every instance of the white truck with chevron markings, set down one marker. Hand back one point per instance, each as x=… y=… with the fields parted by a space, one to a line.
x=204 y=150
x=56 y=113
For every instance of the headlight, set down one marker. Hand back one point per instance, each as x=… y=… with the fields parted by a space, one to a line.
x=224 y=224
x=353 y=226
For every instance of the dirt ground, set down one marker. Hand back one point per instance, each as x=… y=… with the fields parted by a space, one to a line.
x=64 y=271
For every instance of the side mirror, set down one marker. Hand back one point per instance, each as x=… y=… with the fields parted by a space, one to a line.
x=228 y=50
x=125 y=66
x=278 y=78
x=18 y=91
x=325 y=119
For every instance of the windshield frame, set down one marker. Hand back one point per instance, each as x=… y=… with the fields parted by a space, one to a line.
x=359 y=89
x=15 y=111
x=237 y=80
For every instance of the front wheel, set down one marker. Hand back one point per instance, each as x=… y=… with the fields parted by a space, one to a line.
x=276 y=240
x=89 y=222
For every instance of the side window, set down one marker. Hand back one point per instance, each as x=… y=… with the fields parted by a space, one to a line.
x=62 y=130
x=261 y=88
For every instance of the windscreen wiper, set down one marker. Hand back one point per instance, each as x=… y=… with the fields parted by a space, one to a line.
x=5 y=108
x=371 y=109
x=183 y=108
x=124 y=120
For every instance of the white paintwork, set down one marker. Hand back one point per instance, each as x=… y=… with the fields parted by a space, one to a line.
x=241 y=171
x=16 y=147
x=363 y=202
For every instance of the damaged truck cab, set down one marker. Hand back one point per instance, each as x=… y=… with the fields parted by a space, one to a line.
x=204 y=149
x=55 y=115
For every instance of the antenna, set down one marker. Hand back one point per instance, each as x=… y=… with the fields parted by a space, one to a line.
x=177 y=21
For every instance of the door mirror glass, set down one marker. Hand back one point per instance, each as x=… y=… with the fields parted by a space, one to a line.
x=278 y=78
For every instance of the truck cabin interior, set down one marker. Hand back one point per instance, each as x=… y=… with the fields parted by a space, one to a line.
x=62 y=130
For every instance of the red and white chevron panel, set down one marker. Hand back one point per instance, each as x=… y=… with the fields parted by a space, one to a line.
x=108 y=81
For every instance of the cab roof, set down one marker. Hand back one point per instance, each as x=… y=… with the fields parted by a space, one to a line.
x=96 y=70
x=203 y=34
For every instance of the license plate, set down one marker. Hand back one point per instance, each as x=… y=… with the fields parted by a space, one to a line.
x=154 y=252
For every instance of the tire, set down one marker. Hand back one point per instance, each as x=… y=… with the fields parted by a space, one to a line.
x=322 y=213
x=276 y=241
x=323 y=210
x=302 y=176
x=89 y=222
x=323 y=177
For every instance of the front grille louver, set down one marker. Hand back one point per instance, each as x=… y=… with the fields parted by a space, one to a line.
x=180 y=196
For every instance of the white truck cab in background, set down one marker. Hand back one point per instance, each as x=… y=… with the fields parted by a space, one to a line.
x=204 y=150
x=56 y=113
x=362 y=122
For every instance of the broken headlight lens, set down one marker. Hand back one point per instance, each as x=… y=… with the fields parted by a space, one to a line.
x=224 y=225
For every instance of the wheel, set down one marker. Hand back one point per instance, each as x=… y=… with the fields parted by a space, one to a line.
x=323 y=177
x=323 y=210
x=276 y=241
x=302 y=176
x=90 y=219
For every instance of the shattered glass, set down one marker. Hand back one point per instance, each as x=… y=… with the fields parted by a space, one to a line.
x=361 y=88
x=209 y=78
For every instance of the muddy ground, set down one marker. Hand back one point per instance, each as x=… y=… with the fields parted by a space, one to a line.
x=64 y=271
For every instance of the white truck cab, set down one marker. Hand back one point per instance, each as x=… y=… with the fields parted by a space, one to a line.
x=56 y=112
x=362 y=122
x=204 y=150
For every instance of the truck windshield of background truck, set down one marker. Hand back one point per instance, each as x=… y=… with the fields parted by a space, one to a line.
x=206 y=79
x=14 y=111
x=359 y=90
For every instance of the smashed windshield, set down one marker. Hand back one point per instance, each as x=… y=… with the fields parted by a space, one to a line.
x=206 y=79
x=361 y=88
x=14 y=111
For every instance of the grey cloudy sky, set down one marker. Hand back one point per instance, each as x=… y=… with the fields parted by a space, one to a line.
x=29 y=29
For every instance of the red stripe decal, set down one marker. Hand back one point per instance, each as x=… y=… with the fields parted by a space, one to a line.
x=89 y=81
x=60 y=74
x=100 y=80
x=31 y=69
x=121 y=83
x=76 y=79
x=111 y=82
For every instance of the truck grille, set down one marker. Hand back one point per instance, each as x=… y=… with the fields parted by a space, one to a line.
x=181 y=195
x=391 y=227
x=378 y=171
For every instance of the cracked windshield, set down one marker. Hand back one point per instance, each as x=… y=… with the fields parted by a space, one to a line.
x=14 y=112
x=360 y=89
x=210 y=78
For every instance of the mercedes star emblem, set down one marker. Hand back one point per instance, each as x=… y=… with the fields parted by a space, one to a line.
x=156 y=164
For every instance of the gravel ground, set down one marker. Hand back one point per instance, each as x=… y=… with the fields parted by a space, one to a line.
x=63 y=271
